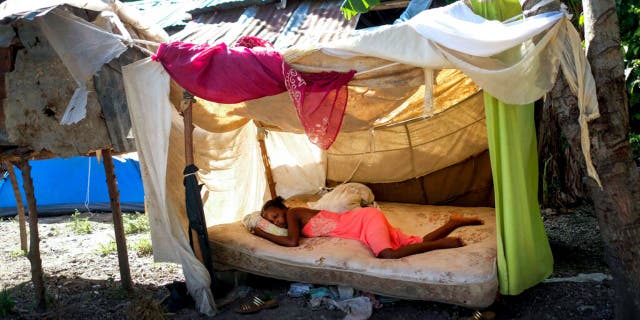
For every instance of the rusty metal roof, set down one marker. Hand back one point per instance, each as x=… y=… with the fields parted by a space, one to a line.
x=299 y=23
x=175 y=13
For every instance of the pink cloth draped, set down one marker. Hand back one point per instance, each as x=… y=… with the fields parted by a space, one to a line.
x=221 y=74
x=253 y=69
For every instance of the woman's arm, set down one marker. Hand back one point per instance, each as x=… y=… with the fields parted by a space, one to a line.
x=293 y=236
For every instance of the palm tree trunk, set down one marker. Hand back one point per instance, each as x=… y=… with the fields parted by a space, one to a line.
x=617 y=204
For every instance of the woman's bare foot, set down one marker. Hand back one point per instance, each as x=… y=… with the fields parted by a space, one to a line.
x=461 y=220
x=449 y=242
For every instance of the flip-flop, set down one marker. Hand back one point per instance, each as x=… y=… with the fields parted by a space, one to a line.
x=256 y=304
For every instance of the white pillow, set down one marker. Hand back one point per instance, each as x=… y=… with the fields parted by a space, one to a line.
x=347 y=196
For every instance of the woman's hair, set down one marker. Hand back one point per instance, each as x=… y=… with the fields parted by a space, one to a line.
x=278 y=202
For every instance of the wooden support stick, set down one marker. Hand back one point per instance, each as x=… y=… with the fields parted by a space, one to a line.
x=187 y=117
x=19 y=206
x=118 y=228
x=265 y=160
x=188 y=133
x=34 y=241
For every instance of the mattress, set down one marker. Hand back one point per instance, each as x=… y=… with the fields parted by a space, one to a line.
x=464 y=276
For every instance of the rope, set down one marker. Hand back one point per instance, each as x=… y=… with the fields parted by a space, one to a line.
x=86 y=201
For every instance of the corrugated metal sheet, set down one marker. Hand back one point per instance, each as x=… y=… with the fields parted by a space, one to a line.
x=300 y=23
x=165 y=13
x=175 y=13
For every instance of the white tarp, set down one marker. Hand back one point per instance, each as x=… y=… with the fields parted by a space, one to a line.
x=298 y=166
x=83 y=48
x=151 y=112
x=455 y=37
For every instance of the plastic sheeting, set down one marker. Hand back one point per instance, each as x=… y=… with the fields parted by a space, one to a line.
x=298 y=166
x=453 y=36
x=415 y=148
x=83 y=48
x=151 y=113
x=75 y=183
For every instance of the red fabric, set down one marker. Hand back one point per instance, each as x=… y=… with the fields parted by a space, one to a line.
x=368 y=225
x=253 y=69
x=320 y=100
x=221 y=74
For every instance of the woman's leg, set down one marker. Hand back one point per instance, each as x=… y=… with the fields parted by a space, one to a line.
x=455 y=221
x=444 y=243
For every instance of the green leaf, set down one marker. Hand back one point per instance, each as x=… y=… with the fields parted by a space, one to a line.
x=351 y=8
x=581 y=20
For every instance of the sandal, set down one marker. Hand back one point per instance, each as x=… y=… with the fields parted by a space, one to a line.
x=256 y=305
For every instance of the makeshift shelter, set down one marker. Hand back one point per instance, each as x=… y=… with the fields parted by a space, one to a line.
x=406 y=117
x=64 y=185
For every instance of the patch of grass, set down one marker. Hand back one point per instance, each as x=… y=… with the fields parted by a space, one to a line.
x=170 y=267
x=108 y=248
x=145 y=308
x=80 y=225
x=17 y=253
x=135 y=223
x=55 y=230
x=10 y=219
x=6 y=303
x=143 y=247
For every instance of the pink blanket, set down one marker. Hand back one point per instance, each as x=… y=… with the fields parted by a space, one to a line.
x=253 y=69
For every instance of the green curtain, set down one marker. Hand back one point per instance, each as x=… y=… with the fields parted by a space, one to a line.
x=524 y=255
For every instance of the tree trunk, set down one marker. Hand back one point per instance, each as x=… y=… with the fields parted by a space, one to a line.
x=560 y=167
x=19 y=206
x=118 y=228
x=617 y=204
x=34 y=250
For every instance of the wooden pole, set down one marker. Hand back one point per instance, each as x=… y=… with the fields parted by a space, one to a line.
x=118 y=228
x=265 y=160
x=187 y=117
x=34 y=241
x=19 y=206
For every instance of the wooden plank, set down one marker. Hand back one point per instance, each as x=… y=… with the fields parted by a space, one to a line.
x=118 y=228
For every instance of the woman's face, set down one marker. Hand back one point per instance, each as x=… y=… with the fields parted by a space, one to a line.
x=276 y=216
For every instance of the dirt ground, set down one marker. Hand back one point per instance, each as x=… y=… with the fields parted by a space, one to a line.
x=83 y=281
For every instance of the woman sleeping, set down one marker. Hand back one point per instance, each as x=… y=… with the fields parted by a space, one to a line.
x=369 y=225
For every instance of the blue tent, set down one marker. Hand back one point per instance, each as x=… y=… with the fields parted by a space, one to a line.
x=63 y=185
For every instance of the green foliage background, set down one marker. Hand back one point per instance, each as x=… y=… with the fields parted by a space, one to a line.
x=629 y=17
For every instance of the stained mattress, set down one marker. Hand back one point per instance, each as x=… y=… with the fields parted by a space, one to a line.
x=464 y=276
